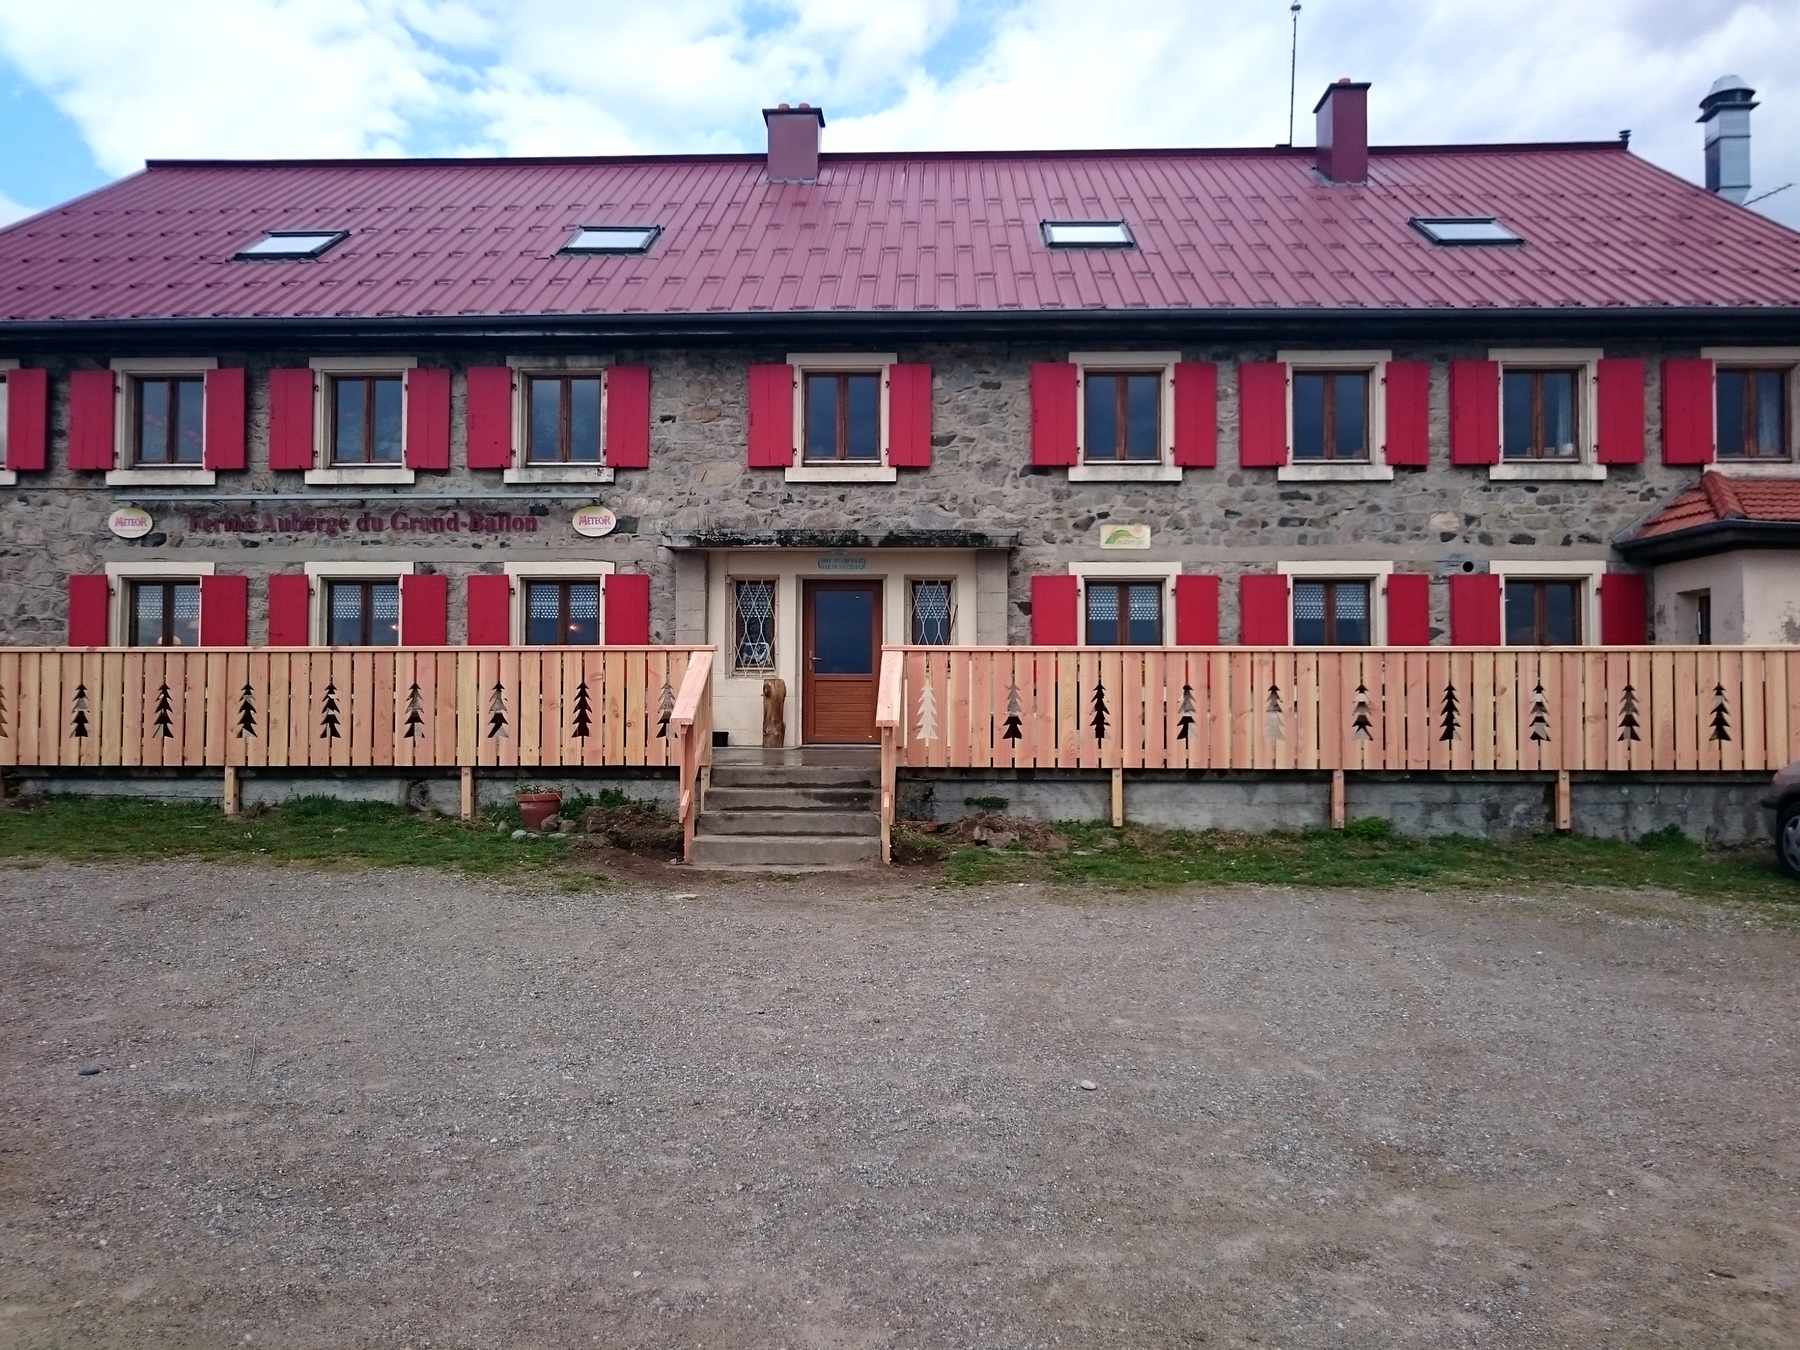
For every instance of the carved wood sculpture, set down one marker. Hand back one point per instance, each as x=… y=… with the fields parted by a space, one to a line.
x=774 y=711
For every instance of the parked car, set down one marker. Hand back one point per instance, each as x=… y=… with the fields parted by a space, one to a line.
x=1783 y=798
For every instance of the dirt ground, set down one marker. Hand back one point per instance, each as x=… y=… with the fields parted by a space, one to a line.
x=397 y=1109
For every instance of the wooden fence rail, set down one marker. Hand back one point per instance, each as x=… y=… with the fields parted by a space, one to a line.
x=464 y=707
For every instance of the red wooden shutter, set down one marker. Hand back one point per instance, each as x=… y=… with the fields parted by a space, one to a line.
x=1474 y=412
x=1053 y=414
x=909 y=416
x=1055 y=613
x=290 y=610
x=1624 y=610
x=1409 y=414
x=628 y=417
x=224 y=611
x=490 y=420
x=90 y=600
x=1619 y=391
x=1263 y=610
x=490 y=610
x=1262 y=415
x=771 y=416
x=1196 y=610
x=1687 y=411
x=626 y=597
x=1475 y=610
x=27 y=419
x=1196 y=415
x=291 y=419
x=91 y=420
x=1409 y=609
x=424 y=609
x=223 y=441
x=428 y=418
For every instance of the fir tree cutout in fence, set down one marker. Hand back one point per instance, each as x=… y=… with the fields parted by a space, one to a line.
x=246 y=717
x=1721 y=715
x=584 y=711
x=1099 y=712
x=1012 y=728
x=1449 y=714
x=329 y=714
x=1540 y=714
x=926 y=727
x=1362 y=725
x=3 y=729
x=1628 y=714
x=163 y=721
x=1273 y=714
x=665 y=709
x=497 y=712
x=78 y=709
x=1185 y=713
x=415 y=712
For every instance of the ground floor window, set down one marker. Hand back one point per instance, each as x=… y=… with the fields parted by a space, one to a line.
x=362 y=613
x=165 y=614
x=1331 y=614
x=1124 y=613
x=562 y=613
x=753 y=625
x=1544 y=613
x=931 y=613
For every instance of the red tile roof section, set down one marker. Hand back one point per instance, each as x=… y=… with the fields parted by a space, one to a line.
x=1719 y=497
x=1217 y=230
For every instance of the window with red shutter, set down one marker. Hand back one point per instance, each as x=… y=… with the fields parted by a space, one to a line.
x=1474 y=412
x=90 y=610
x=1196 y=416
x=909 y=416
x=626 y=597
x=1196 y=610
x=1053 y=413
x=1408 y=406
x=1619 y=392
x=290 y=610
x=224 y=611
x=1055 y=612
x=628 y=417
x=27 y=419
x=1409 y=609
x=424 y=609
x=490 y=610
x=771 y=416
x=224 y=419
x=1688 y=427
x=1262 y=415
x=91 y=420
x=1262 y=610
x=490 y=417
x=1475 y=610
x=1624 y=609
x=291 y=419
x=427 y=418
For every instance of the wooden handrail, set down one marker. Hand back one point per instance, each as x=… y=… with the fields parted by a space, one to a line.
x=887 y=693
x=890 y=703
x=692 y=721
x=692 y=695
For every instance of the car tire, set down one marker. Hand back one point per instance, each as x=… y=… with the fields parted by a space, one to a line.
x=1787 y=837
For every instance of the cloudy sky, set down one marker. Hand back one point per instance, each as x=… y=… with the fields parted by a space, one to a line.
x=92 y=89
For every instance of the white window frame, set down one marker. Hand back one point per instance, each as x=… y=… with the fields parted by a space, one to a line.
x=8 y=477
x=318 y=622
x=909 y=580
x=522 y=470
x=325 y=370
x=825 y=363
x=1165 y=572
x=1773 y=358
x=1375 y=469
x=1590 y=574
x=119 y=575
x=1375 y=573
x=1161 y=364
x=127 y=371
x=521 y=572
x=1586 y=467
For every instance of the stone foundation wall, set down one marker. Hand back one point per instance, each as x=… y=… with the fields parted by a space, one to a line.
x=1222 y=520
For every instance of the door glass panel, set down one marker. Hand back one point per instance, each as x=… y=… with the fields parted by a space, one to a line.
x=844 y=632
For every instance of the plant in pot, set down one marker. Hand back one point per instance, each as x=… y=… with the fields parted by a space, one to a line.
x=537 y=804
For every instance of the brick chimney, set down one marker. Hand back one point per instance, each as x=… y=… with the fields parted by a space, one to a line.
x=1341 y=131
x=793 y=143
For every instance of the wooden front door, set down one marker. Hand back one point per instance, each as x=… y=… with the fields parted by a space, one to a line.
x=842 y=621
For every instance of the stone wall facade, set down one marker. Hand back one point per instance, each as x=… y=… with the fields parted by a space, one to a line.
x=1224 y=520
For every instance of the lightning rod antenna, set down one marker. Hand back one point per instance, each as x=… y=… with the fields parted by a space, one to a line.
x=1293 y=64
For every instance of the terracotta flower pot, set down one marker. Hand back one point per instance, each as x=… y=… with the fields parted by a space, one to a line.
x=537 y=807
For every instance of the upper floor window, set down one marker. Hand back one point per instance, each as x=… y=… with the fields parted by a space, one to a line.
x=1331 y=415
x=563 y=419
x=562 y=613
x=1124 y=613
x=843 y=416
x=166 y=420
x=362 y=613
x=1331 y=614
x=164 y=614
x=366 y=419
x=932 y=615
x=1540 y=414
x=1752 y=405
x=1121 y=417
x=1544 y=612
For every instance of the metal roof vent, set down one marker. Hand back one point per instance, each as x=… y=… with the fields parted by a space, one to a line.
x=1725 y=113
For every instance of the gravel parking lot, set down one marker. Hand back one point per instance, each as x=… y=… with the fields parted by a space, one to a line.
x=399 y=1109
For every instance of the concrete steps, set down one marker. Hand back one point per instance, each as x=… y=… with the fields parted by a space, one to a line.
x=789 y=817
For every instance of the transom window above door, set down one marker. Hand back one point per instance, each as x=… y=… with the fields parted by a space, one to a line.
x=1752 y=408
x=366 y=419
x=842 y=411
x=1544 y=613
x=1331 y=614
x=167 y=425
x=164 y=614
x=362 y=613
x=1124 y=613
x=563 y=424
x=1121 y=416
x=1331 y=415
x=1541 y=414
x=562 y=613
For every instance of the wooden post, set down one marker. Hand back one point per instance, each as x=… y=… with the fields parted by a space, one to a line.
x=229 y=797
x=1337 y=799
x=1118 y=798
x=468 y=792
x=1565 y=810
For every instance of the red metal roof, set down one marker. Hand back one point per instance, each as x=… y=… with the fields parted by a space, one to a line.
x=1719 y=497
x=900 y=233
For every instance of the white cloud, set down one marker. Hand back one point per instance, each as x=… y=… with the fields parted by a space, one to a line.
x=11 y=210
x=286 y=77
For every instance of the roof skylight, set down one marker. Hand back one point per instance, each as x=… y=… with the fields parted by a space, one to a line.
x=1464 y=230
x=1087 y=234
x=292 y=244
x=613 y=239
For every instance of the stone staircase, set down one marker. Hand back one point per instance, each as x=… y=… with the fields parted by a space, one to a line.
x=788 y=813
